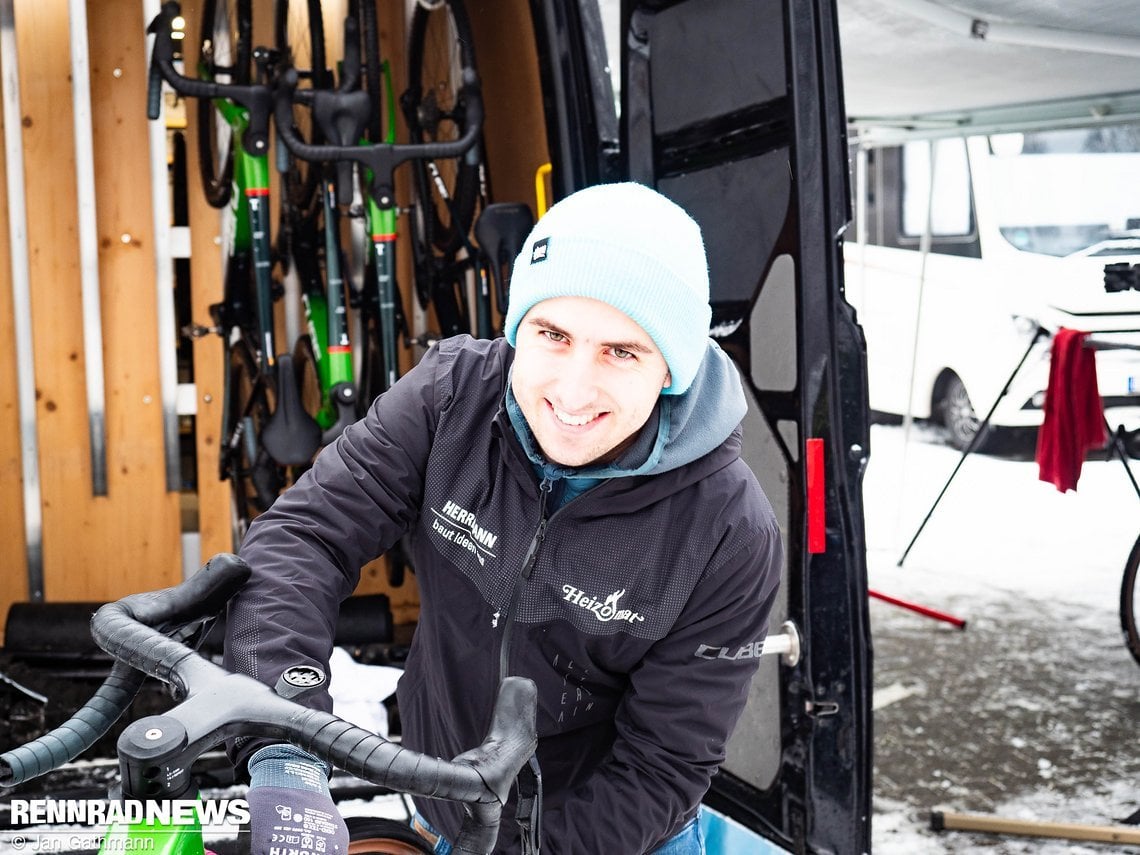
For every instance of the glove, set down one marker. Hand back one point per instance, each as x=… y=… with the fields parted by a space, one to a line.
x=290 y=807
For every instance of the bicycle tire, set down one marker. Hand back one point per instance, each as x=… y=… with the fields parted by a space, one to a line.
x=1130 y=602
x=371 y=355
x=441 y=45
x=224 y=56
x=370 y=835
x=255 y=480
x=300 y=35
x=370 y=56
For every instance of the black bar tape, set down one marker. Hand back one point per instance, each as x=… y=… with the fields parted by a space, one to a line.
x=154 y=93
x=385 y=763
x=77 y=734
x=125 y=628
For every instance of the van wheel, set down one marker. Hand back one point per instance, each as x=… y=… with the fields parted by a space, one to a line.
x=957 y=413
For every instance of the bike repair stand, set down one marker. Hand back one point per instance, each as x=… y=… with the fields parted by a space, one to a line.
x=982 y=429
x=1125 y=443
x=1038 y=332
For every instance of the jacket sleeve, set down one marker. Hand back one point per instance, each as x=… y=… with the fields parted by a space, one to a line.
x=682 y=704
x=360 y=496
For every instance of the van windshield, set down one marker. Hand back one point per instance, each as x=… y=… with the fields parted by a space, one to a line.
x=1067 y=191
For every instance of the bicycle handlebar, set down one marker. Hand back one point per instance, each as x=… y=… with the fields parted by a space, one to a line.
x=66 y=742
x=380 y=158
x=256 y=98
x=126 y=628
x=156 y=751
x=203 y=596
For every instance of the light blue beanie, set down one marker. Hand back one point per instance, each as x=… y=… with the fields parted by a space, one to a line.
x=628 y=246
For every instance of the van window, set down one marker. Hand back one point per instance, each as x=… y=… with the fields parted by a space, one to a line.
x=1067 y=191
x=950 y=211
x=610 y=12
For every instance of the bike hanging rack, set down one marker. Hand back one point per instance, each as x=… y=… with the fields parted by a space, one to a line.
x=88 y=246
x=164 y=281
x=21 y=303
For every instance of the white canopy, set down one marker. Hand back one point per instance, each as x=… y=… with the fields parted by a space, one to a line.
x=920 y=68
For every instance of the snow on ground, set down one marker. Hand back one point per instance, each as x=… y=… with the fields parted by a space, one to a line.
x=1032 y=712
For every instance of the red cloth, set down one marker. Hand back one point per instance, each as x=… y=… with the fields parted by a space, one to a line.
x=1074 y=416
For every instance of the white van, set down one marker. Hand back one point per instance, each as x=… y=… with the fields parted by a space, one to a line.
x=1021 y=229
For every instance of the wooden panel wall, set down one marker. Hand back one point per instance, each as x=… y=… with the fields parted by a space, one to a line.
x=94 y=548
x=99 y=548
x=13 y=578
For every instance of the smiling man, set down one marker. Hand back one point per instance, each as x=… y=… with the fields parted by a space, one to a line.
x=579 y=515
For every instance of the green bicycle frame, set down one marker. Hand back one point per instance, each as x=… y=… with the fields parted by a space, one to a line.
x=249 y=208
x=382 y=227
x=154 y=838
x=382 y=222
x=327 y=318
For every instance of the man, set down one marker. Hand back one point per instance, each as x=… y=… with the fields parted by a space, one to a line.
x=579 y=515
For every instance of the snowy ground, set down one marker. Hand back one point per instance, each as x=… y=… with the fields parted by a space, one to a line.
x=1032 y=712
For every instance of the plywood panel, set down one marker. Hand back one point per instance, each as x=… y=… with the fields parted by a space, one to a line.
x=95 y=548
x=54 y=270
x=140 y=513
x=13 y=581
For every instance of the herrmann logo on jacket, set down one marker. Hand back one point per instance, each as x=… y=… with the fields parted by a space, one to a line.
x=458 y=525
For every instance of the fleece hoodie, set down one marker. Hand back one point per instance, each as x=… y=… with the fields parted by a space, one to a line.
x=638 y=616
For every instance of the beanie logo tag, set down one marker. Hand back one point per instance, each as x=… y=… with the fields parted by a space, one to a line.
x=538 y=250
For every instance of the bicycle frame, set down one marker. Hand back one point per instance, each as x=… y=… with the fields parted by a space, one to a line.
x=382 y=227
x=326 y=317
x=249 y=233
x=156 y=838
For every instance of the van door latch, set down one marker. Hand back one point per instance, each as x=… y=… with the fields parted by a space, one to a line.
x=820 y=709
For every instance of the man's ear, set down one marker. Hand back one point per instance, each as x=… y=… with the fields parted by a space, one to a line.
x=668 y=381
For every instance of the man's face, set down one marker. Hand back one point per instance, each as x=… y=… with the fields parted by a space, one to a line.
x=586 y=377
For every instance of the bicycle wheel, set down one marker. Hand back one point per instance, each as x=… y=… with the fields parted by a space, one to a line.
x=223 y=57
x=441 y=46
x=1130 y=602
x=300 y=36
x=255 y=479
x=371 y=355
x=370 y=56
x=376 y=836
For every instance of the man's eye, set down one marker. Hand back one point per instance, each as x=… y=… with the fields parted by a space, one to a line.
x=623 y=354
x=554 y=336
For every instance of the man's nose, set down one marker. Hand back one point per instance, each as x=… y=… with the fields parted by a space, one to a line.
x=577 y=381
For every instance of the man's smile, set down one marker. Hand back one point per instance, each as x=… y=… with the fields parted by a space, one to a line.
x=574 y=419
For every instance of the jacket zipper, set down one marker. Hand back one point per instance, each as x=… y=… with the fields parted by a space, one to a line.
x=527 y=569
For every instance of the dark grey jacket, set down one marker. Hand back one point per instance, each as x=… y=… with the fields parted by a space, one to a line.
x=644 y=592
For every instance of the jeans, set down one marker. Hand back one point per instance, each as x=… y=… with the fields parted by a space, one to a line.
x=687 y=841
